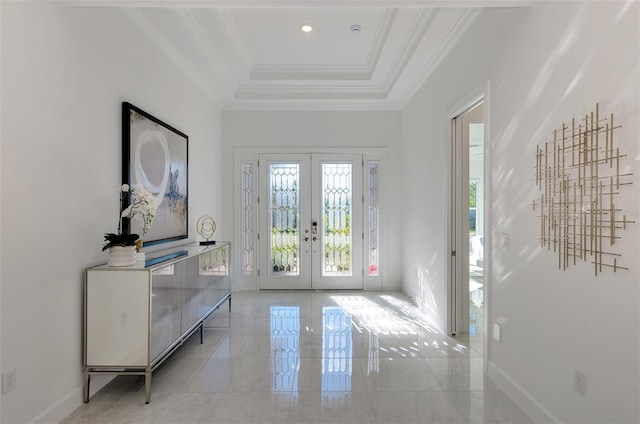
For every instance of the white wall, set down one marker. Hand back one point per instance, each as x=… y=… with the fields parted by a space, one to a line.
x=546 y=65
x=425 y=155
x=322 y=130
x=65 y=73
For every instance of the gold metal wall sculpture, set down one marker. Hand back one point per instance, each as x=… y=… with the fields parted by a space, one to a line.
x=578 y=174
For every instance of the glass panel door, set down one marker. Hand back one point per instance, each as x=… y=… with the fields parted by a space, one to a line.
x=337 y=217
x=284 y=206
x=310 y=221
x=284 y=198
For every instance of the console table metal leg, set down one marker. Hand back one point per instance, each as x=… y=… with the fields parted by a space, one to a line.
x=87 y=381
x=147 y=385
x=202 y=333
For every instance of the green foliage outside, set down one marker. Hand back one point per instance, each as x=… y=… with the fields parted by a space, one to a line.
x=472 y=194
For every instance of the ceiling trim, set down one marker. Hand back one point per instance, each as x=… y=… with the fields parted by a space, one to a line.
x=378 y=84
x=199 y=40
x=298 y=3
x=419 y=27
x=450 y=41
x=310 y=72
x=211 y=93
x=313 y=90
x=295 y=98
x=380 y=38
x=317 y=105
x=233 y=32
x=288 y=92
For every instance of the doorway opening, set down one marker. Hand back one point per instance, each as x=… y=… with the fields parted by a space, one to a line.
x=468 y=225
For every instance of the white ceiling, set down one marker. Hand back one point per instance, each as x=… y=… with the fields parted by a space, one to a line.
x=251 y=54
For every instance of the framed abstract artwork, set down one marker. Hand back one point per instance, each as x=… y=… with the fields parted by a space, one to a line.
x=156 y=157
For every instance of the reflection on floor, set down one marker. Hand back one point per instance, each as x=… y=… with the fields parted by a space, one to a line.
x=312 y=357
x=476 y=305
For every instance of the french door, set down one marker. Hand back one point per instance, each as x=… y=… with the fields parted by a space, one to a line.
x=310 y=221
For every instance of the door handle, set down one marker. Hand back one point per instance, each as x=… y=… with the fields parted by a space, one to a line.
x=307 y=238
x=315 y=239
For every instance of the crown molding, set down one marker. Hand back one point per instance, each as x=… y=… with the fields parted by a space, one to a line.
x=234 y=36
x=316 y=105
x=299 y=3
x=463 y=24
x=312 y=92
x=419 y=27
x=380 y=38
x=310 y=72
x=211 y=93
x=212 y=58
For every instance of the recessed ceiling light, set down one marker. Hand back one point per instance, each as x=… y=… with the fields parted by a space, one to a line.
x=356 y=28
x=306 y=28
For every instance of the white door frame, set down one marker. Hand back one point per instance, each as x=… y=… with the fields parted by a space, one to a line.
x=473 y=97
x=249 y=155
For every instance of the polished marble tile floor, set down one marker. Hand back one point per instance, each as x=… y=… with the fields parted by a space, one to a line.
x=312 y=357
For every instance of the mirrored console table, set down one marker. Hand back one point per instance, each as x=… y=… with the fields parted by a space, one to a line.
x=135 y=317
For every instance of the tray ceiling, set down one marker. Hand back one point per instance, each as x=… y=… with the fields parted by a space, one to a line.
x=253 y=55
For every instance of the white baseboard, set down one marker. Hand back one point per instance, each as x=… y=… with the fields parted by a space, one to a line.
x=63 y=407
x=69 y=403
x=529 y=405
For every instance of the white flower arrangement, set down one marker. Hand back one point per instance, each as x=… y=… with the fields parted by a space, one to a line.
x=143 y=207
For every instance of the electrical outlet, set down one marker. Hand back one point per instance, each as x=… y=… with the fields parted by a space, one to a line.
x=580 y=382
x=8 y=381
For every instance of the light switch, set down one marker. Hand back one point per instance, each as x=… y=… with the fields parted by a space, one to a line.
x=506 y=241
x=496 y=331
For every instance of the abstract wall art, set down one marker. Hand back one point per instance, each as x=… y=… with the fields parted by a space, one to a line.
x=579 y=173
x=156 y=156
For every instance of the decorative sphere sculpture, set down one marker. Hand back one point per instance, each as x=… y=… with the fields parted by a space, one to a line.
x=206 y=226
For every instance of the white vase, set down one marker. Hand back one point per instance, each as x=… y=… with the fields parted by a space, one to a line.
x=122 y=256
